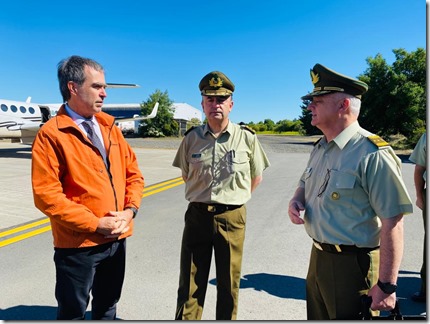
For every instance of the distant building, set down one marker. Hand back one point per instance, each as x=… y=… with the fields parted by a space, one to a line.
x=182 y=113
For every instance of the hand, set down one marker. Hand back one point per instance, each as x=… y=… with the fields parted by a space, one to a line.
x=108 y=224
x=123 y=218
x=294 y=209
x=114 y=224
x=420 y=202
x=380 y=300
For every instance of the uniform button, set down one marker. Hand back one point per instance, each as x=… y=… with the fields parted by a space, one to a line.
x=335 y=195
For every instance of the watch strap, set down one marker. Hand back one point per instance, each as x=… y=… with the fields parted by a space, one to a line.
x=387 y=287
x=134 y=210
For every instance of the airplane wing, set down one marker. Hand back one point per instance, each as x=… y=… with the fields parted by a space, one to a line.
x=137 y=117
x=122 y=85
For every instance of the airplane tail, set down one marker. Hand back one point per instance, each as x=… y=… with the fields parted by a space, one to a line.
x=154 y=111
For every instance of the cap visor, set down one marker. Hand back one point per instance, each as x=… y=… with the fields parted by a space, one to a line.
x=309 y=96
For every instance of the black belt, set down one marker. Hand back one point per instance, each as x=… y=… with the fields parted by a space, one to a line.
x=339 y=248
x=214 y=208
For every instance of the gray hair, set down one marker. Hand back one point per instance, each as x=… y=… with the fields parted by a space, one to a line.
x=355 y=103
x=72 y=69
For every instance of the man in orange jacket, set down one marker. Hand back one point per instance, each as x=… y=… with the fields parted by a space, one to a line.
x=86 y=179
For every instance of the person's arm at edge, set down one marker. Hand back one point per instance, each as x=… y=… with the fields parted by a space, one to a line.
x=255 y=182
x=419 y=184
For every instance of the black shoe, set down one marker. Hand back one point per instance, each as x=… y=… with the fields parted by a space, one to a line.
x=419 y=297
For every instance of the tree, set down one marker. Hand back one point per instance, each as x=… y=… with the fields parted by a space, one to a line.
x=163 y=124
x=193 y=122
x=270 y=124
x=306 y=119
x=396 y=100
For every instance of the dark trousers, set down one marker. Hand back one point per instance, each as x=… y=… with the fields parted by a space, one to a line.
x=99 y=270
x=206 y=231
x=423 y=271
x=335 y=282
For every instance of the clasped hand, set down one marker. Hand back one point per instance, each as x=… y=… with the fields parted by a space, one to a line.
x=115 y=223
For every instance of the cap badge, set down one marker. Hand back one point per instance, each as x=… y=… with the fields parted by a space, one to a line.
x=215 y=82
x=314 y=77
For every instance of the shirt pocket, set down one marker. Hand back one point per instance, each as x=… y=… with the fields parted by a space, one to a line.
x=199 y=164
x=240 y=162
x=340 y=187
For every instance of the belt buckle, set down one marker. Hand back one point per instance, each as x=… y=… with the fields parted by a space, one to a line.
x=211 y=208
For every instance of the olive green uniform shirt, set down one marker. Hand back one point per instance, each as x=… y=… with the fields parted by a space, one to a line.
x=219 y=170
x=348 y=183
x=419 y=155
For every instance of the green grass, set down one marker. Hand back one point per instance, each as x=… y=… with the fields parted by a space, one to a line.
x=277 y=133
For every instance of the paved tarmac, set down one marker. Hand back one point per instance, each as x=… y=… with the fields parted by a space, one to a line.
x=275 y=261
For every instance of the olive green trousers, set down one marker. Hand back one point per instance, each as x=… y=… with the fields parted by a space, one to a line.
x=205 y=232
x=336 y=281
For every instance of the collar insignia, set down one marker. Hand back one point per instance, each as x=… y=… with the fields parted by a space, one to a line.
x=215 y=82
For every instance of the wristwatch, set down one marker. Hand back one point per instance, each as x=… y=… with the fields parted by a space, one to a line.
x=134 y=210
x=387 y=287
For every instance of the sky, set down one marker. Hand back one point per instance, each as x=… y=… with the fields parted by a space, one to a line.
x=266 y=48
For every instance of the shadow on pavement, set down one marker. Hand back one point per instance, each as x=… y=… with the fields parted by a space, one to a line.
x=16 y=153
x=274 y=284
x=407 y=286
x=283 y=286
x=28 y=312
x=32 y=313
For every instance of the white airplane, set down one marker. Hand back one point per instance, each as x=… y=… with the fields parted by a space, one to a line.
x=20 y=121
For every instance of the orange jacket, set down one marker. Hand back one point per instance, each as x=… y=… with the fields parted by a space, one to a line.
x=71 y=184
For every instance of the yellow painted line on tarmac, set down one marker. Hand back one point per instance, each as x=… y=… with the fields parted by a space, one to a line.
x=25 y=236
x=24 y=227
x=150 y=190
x=162 y=186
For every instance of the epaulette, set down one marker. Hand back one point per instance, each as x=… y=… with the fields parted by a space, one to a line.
x=243 y=126
x=190 y=129
x=317 y=141
x=378 y=141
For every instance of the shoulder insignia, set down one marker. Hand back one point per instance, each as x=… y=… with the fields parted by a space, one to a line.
x=249 y=129
x=378 y=141
x=190 y=129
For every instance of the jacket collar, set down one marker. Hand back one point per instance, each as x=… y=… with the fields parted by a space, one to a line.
x=64 y=120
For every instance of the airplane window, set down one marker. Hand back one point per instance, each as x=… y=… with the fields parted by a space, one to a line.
x=31 y=110
x=3 y=107
x=13 y=108
x=23 y=109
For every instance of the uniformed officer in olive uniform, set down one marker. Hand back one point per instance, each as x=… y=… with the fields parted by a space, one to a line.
x=354 y=199
x=221 y=163
x=419 y=157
